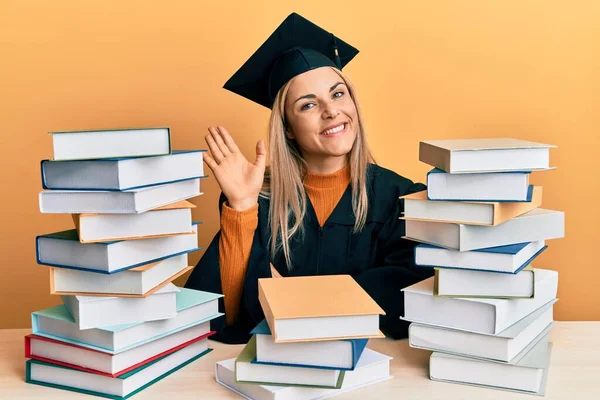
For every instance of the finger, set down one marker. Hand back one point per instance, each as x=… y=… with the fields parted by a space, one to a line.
x=219 y=141
x=210 y=162
x=261 y=154
x=214 y=148
x=229 y=142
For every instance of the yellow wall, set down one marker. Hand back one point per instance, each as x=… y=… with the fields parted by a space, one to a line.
x=427 y=70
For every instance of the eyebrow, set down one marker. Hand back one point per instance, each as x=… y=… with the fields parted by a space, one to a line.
x=312 y=96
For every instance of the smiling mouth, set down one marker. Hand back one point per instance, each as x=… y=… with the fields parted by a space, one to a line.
x=337 y=130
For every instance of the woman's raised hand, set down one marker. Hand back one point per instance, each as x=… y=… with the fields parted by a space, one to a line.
x=239 y=179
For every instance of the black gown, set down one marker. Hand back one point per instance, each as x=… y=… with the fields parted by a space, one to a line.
x=378 y=258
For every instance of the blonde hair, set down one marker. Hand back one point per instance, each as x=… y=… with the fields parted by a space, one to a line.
x=283 y=179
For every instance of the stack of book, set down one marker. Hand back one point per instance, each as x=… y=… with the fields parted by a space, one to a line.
x=486 y=314
x=123 y=324
x=312 y=343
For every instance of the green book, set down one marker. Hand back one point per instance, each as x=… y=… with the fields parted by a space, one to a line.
x=247 y=370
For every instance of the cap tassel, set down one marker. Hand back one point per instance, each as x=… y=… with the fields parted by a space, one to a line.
x=336 y=53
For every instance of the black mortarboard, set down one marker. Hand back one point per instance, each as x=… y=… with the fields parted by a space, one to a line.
x=296 y=46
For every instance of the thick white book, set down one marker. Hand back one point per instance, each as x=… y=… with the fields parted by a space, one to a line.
x=538 y=224
x=504 y=346
x=193 y=307
x=117 y=202
x=78 y=357
x=136 y=282
x=485 y=155
x=373 y=367
x=172 y=219
x=94 y=311
x=495 y=186
x=528 y=374
x=63 y=249
x=507 y=259
x=466 y=283
x=122 y=173
x=122 y=387
x=479 y=315
x=108 y=143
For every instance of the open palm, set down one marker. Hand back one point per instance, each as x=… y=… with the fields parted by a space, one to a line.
x=239 y=179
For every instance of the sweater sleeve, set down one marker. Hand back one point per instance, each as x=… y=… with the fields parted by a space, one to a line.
x=235 y=243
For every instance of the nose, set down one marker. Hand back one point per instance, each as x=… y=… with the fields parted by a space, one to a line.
x=330 y=112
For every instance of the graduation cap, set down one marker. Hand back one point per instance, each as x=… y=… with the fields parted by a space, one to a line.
x=296 y=46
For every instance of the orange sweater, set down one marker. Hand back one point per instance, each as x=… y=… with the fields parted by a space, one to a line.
x=237 y=233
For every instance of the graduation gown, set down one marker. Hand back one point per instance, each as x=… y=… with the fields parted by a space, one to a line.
x=377 y=257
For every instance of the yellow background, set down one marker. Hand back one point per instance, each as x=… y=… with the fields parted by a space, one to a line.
x=426 y=70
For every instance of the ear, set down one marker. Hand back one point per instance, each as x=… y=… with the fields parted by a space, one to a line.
x=289 y=135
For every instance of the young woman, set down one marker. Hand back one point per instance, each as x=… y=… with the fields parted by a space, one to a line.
x=323 y=207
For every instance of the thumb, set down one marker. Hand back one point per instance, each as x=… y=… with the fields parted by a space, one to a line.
x=261 y=154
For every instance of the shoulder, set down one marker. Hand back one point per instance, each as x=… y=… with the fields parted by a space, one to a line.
x=387 y=181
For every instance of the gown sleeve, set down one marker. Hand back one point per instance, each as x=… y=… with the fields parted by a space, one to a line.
x=206 y=276
x=393 y=270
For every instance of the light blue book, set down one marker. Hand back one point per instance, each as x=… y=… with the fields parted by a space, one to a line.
x=63 y=249
x=193 y=307
x=125 y=173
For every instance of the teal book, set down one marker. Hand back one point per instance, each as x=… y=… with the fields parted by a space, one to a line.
x=194 y=307
x=121 y=387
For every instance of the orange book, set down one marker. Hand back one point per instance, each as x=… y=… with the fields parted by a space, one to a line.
x=318 y=308
x=417 y=207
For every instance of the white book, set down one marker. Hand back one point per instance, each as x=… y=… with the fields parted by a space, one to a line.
x=373 y=367
x=495 y=186
x=528 y=374
x=46 y=374
x=139 y=282
x=94 y=312
x=114 y=364
x=172 y=219
x=507 y=259
x=117 y=202
x=504 y=346
x=466 y=283
x=480 y=315
x=538 y=224
x=93 y=144
x=485 y=155
x=122 y=173
x=193 y=307
x=63 y=249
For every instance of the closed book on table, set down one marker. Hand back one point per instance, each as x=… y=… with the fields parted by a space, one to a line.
x=479 y=315
x=248 y=372
x=194 y=307
x=107 y=143
x=136 y=282
x=465 y=283
x=63 y=249
x=131 y=201
x=538 y=224
x=122 y=173
x=333 y=307
x=494 y=186
x=372 y=368
x=417 y=207
x=485 y=155
x=335 y=354
x=94 y=312
x=508 y=259
x=169 y=220
x=121 y=387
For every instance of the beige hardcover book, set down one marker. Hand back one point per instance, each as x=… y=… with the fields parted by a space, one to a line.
x=176 y=218
x=485 y=155
x=313 y=308
x=418 y=207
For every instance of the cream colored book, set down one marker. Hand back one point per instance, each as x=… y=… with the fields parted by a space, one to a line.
x=485 y=155
x=418 y=207
x=324 y=307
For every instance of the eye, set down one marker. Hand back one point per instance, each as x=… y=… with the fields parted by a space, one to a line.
x=341 y=93
x=305 y=106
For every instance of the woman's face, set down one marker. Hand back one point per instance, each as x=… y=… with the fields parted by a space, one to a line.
x=321 y=115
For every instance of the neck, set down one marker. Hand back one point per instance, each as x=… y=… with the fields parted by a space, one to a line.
x=326 y=165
